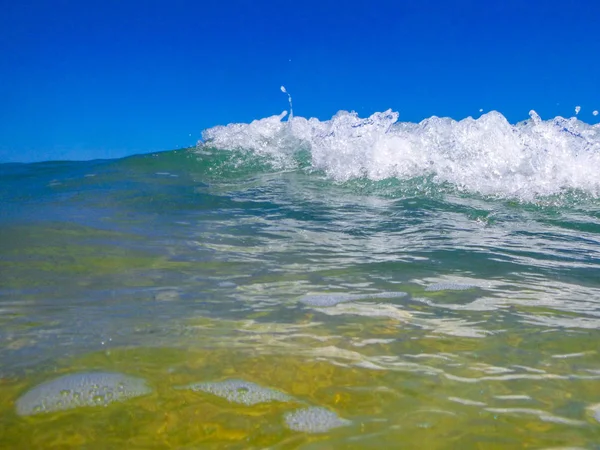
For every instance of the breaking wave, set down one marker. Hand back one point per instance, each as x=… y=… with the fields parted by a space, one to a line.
x=488 y=155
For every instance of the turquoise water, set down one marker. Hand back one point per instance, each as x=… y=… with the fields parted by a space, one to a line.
x=294 y=284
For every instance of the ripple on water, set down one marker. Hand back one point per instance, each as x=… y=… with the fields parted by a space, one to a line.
x=332 y=299
x=81 y=389
x=449 y=287
x=595 y=411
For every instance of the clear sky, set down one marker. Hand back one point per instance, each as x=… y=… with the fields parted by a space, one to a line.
x=83 y=79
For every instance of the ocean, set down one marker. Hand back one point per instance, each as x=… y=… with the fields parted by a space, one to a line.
x=294 y=283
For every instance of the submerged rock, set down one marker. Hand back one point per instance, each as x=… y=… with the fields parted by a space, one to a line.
x=81 y=389
x=314 y=420
x=240 y=391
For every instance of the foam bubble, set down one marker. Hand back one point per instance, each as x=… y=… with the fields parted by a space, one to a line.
x=487 y=155
x=595 y=112
x=240 y=391
x=577 y=109
x=314 y=420
x=82 y=389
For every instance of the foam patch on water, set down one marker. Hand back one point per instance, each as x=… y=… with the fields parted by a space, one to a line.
x=82 y=389
x=323 y=300
x=487 y=155
x=240 y=391
x=314 y=420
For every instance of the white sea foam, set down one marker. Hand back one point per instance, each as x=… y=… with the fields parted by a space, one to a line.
x=241 y=391
x=487 y=155
x=314 y=420
x=80 y=389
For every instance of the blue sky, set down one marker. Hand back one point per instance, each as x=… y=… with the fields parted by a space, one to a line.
x=97 y=79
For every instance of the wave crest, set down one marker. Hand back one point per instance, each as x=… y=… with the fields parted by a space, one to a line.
x=487 y=155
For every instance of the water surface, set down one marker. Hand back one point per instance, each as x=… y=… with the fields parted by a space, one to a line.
x=428 y=285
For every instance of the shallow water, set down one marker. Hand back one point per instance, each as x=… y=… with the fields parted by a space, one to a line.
x=414 y=310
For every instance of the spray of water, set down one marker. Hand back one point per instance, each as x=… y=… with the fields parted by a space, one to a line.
x=284 y=90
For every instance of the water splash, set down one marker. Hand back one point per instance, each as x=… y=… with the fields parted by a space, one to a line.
x=486 y=156
x=284 y=90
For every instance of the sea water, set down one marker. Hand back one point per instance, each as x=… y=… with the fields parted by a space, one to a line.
x=296 y=283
